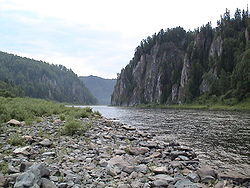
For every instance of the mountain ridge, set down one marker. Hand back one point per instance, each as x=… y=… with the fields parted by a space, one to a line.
x=101 y=88
x=176 y=66
x=38 y=79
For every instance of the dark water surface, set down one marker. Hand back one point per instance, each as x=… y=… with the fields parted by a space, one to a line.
x=219 y=137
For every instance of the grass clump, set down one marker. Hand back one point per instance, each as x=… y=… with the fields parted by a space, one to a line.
x=4 y=167
x=72 y=127
x=16 y=140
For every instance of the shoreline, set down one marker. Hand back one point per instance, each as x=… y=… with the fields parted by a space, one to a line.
x=110 y=154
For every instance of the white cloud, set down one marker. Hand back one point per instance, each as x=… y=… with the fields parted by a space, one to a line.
x=98 y=37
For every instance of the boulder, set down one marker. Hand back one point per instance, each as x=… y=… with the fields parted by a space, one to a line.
x=193 y=177
x=14 y=122
x=45 y=183
x=160 y=170
x=138 y=150
x=185 y=183
x=23 y=150
x=207 y=174
x=46 y=143
x=2 y=180
x=32 y=177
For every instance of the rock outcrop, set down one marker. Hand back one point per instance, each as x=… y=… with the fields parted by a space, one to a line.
x=176 y=66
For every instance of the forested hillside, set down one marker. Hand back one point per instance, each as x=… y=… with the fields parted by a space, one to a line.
x=175 y=66
x=101 y=88
x=27 y=77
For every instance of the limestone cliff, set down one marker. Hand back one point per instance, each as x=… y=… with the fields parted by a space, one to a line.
x=175 y=66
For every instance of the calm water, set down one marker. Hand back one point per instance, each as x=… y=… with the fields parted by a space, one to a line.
x=219 y=137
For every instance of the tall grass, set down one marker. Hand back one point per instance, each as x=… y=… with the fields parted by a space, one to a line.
x=28 y=109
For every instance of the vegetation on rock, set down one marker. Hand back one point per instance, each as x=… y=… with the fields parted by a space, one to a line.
x=176 y=66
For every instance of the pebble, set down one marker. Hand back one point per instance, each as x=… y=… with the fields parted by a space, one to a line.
x=110 y=154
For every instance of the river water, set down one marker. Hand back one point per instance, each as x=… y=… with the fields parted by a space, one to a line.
x=220 y=138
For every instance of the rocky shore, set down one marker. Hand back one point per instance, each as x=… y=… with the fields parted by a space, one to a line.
x=110 y=155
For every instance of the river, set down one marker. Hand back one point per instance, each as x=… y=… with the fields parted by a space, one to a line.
x=220 y=138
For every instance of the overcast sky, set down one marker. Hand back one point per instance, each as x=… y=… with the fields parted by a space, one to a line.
x=97 y=37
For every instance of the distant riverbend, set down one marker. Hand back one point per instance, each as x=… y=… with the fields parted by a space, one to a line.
x=221 y=138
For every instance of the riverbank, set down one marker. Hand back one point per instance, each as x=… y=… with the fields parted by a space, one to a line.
x=108 y=154
x=230 y=105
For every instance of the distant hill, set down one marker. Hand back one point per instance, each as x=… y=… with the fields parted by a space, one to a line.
x=39 y=79
x=101 y=88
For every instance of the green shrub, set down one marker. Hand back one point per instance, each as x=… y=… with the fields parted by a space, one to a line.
x=4 y=167
x=73 y=127
x=62 y=117
x=16 y=140
x=97 y=113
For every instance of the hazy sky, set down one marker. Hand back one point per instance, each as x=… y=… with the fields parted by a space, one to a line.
x=97 y=37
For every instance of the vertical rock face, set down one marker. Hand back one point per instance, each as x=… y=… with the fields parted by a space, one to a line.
x=146 y=82
x=175 y=66
x=163 y=75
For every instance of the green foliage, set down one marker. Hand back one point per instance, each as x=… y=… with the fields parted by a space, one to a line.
x=62 y=117
x=4 y=167
x=16 y=140
x=28 y=109
x=38 y=79
x=73 y=127
x=220 y=56
x=8 y=89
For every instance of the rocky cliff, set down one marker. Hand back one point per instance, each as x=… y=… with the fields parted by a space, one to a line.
x=175 y=66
